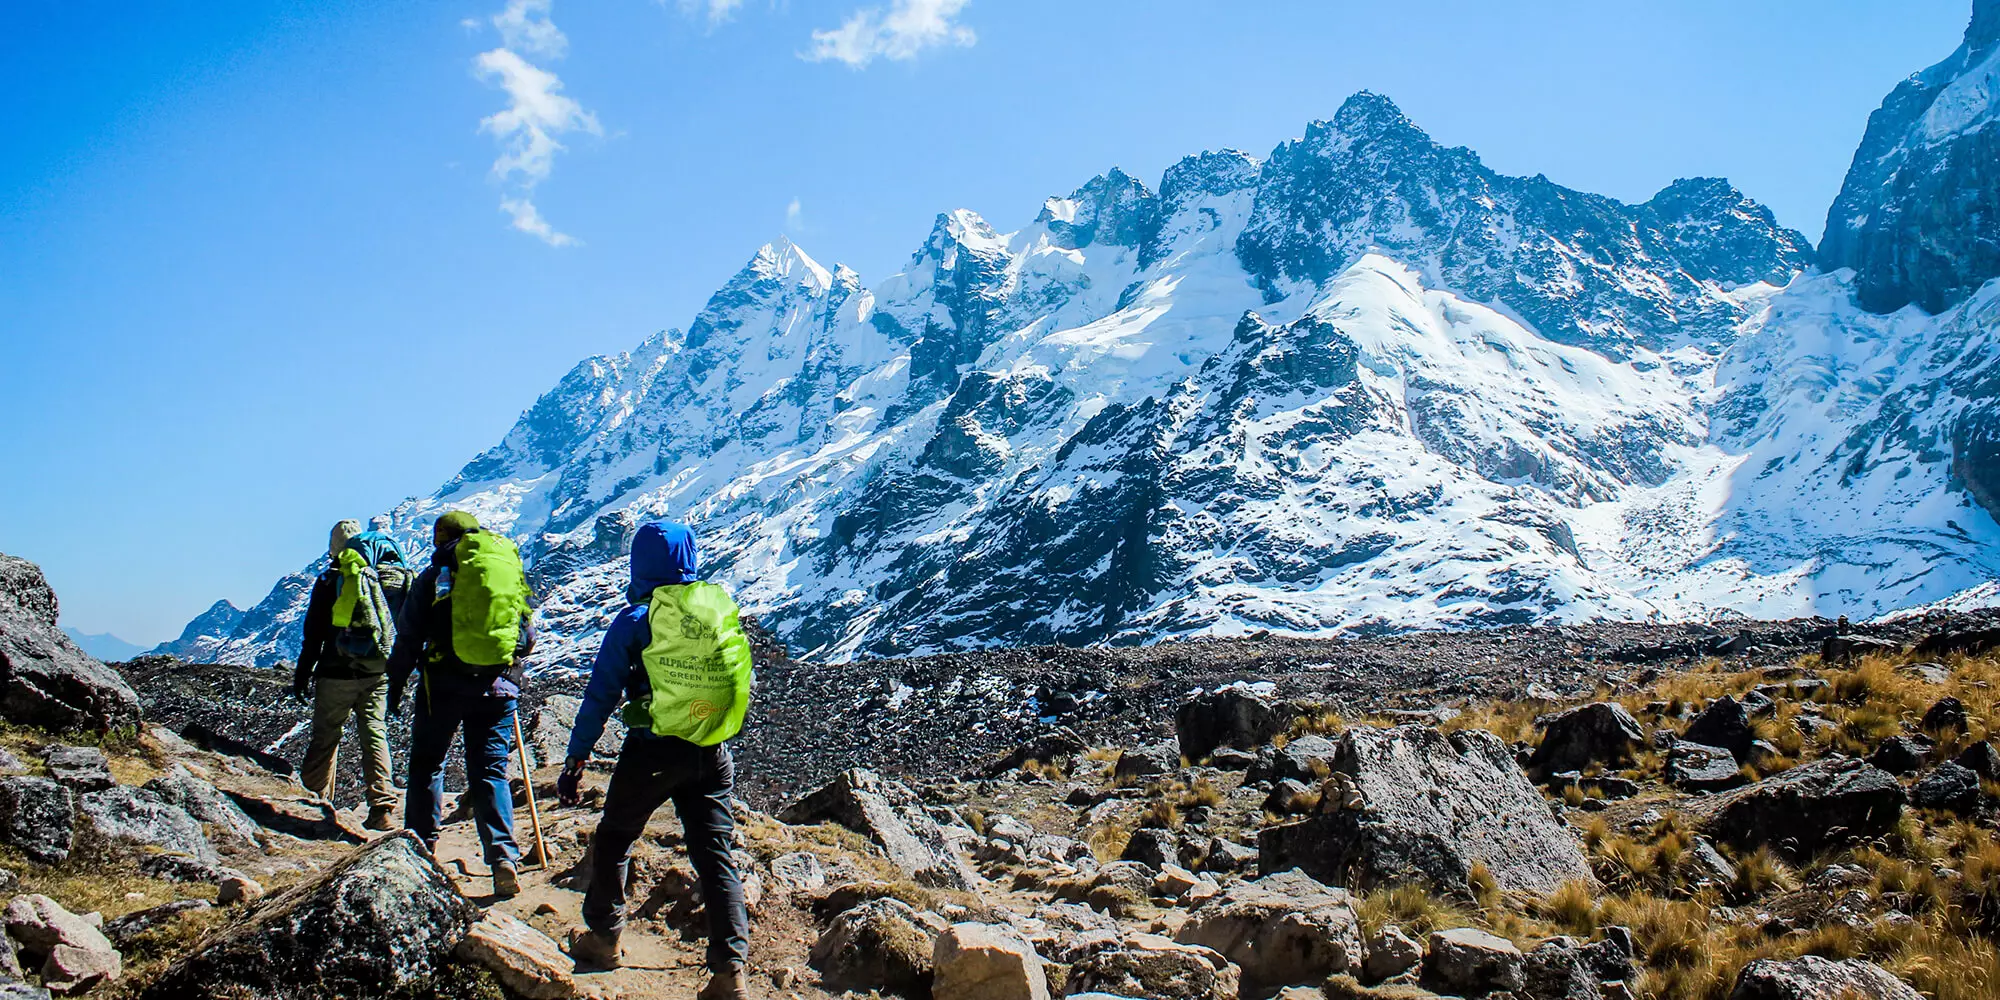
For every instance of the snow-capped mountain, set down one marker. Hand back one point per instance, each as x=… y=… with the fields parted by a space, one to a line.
x=1365 y=383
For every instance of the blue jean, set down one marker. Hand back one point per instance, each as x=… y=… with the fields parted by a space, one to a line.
x=489 y=750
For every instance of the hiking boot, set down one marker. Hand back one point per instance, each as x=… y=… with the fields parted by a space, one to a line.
x=381 y=818
x=729 y=984
x=593 y=950
x=506 y=882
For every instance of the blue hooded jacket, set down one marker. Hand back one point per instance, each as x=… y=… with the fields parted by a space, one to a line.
x=663 y=553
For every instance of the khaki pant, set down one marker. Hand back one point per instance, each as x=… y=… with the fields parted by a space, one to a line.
x=334 y=699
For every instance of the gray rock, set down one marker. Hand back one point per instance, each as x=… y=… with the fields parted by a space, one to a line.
x=1563 y=968
x=1152 y=847
x=1231 y=759
x=45 y=680
x=136 y=819
x=1229 y=717
x=1148 y=761
x=882 y=944
x=1470 y=962
x=38 y=816
x=22 y=991
x=82 y=769
x=976 y=961
x=1845 y=648
x=547 y=731
x=1724 y=723
x=386 y=916
x=888 y=813
x=1431 y=805
x=1049 y=746
x=1899 y=755
x=1153 y=967
x=1281 y=930
x=182 y=868
x=10 y=764
x=1306 y=759
x=1816 y=978
x=1291 y=796
x=1698 y=767
x=526 y=962
x=229 y=828
x=1929 y=673
x=1706 y=866
x=71 y=953
x=1389 y=953
x=1981 y=759
x=1228 y=856
x=1947 y=714
x=1810 y=808
x=1603 y=734
x=1951 y=787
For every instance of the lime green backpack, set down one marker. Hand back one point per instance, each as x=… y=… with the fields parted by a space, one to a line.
x=489 y=597
x=698 y=663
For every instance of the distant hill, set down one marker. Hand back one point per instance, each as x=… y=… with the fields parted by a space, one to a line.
x=104 y=645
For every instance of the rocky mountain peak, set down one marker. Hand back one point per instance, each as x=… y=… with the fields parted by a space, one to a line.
x=1985 y=27
x=1113 y=208
x=1368 y=114
x=1738 y=239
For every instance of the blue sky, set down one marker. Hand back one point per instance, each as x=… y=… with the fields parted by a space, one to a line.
x=260 y=267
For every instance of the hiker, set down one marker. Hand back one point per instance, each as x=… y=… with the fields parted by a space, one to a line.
x=350 y=627
x=465 y=629
x=678 y=654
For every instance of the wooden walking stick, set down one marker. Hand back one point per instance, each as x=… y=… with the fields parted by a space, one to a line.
x=528 y=782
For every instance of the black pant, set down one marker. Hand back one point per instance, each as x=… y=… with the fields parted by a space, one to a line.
x=650 y=771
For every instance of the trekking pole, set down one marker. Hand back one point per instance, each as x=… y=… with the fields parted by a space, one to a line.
x=528 y=782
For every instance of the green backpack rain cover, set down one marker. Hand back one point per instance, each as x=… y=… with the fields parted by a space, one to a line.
x=698 y=663
x=489 y=597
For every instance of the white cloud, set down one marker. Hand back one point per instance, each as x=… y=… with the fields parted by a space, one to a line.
x=525 y=26
x=910 y=27
x=795 y=217
x=717 y=11
x=537 y=112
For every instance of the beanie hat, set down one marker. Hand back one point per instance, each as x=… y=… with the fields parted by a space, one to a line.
x=457 y=523
x=341 y=533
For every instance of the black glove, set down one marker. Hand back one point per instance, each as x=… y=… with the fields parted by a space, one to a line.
x=302 y=689
x=569 y=787
x=395 y=697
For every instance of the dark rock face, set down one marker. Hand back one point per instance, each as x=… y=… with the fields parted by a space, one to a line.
x=1152 y=847
x=1899 y=755
x=1816 y=978
x=1603 y=733
x=1949 y=787
x=1946 y=714
x=1045 y=748
x=45 y=680
x=1431 y=805
x=1230 y=717
x=1918 y=218
x=39 y=817
x=1809 y=808
x=1981 y=759
x=1726 y=724
x=384 y=917
x=890 y=815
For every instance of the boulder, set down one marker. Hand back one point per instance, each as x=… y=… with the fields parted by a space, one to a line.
x=1929 y=673
x=524 y=960
x=71 y=952
x=1603 y=733
x=1061 y=742
x=547 y=730
x=987 y=962
x=1813 y=807
x=1816 y=978
x=1431 y=805
x=384 y=917
x=126 y=818
x=1951 y=786
x=38 y=816
x=1724 y=723
x=1231 y=759
x=1231 y=716
x=1280 y=930
x=888 y=813
x=1466 y=961
x=1152 y=847
x=1290 y=797
x=81 y=769
x=1945 y=715
x=1153 y=967
x=1846 y=648
x=229 y=828
x=1899 y=755
x=1564 y=968
x=1971 y=642
x=799 y=874
x=181 y=868
x=1698 y=767
x=1120 y=887
x=234 y=889
x=1148 y=761
x=302 y=816
x=882 y=944
x=45 y=680
x=1306 y=759
x=1228 y=856
x=123 y=930
x=1389 y=953
x=1981 y=759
